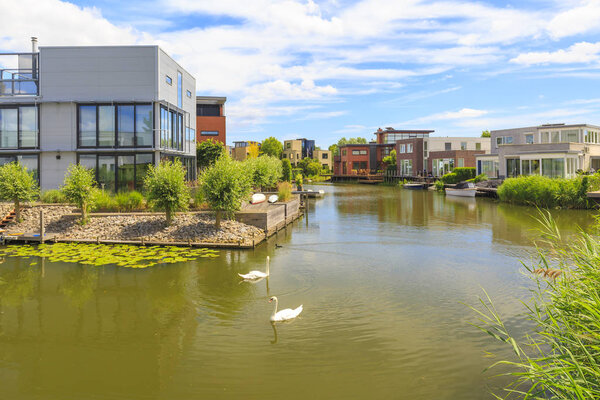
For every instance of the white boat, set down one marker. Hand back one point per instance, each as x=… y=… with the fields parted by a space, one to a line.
x=273 y=198
x=258 y=198
x=318 y=193
x=463 y=189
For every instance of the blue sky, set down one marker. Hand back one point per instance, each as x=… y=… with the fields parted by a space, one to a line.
x=333 y=68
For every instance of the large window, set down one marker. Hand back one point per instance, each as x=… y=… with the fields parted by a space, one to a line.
x=31 y=161
x=530 y=167
x=490 y=168
x=406 y=167
x=529 y=138
x=513 y=167
x=121 y=125
x=441 y=166
x=171 y=125
x=208 y=110
x=570 y=135
x=179 y=90
x=19 y=127
x=463 y=145
x=118 y=172
x=553 y=167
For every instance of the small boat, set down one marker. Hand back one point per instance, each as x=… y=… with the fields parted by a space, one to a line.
x=273 y=198
x=258 y=198
x=319 y=193
x=415 y=186
x=463 y=189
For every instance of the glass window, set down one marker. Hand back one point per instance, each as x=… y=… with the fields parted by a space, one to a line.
x=106 y=172
x=553 y=167
x=188 y=93
x=447 y=146
x=498 y=141
x=125 y=116
x=513 y=167
x=463 y=146
x=477 y=146
x=179 y=132
x=508 y=140
x=143 y=162
x=355 y=152
x=555 y=136
x=545 y=137
x=106 y=126
x=529 y=139
x=28 y=117
x=570 y=135
x=179 y=90
x=143 y=125
x=363 y=152
x=88 y=161
x=344 y=152
x=31 y=163
x=8 y=128
x=324 y=156
x=125 y=173
x=402 y=148
x=168 y=79
x=210 y=133
x=87 y=126
x=461 y=162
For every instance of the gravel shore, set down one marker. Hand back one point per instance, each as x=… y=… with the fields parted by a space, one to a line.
x=195 y=227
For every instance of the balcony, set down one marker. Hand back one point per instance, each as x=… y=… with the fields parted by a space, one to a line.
x=19 y=74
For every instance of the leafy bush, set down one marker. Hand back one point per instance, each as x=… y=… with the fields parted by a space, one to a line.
x=129 y=201
x=439 y=185
x=450 y=178
x=198 y=198
x=286 y=170
x=78 y=188
x=52 y=196
x=299 y=181
x=208 y=152
x=264 y=171
x=103 y=201
x=166 y=188
x=546 y=192
x=479 y=178
x=17 y=185
x=284 y=191
x=460 y=174
x=224 y=186
x=310 y=166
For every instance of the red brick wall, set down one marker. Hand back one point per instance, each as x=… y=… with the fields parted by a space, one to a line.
x=349 y=158
x=211 y=124
x=416 y=156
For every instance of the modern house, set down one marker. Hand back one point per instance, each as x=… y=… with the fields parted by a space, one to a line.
x=438 y=155
x=324 y=158
x=553 y=150
x=297 y=149
x=116 y=109
x=210 y=119
x=241 y=150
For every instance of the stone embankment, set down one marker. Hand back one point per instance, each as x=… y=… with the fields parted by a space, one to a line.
x=195 y=227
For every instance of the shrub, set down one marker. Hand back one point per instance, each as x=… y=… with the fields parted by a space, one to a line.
x=103 y=201
x=208 y=152
x=450 y=178
x=439 y=185
x=286 y=170
x=198 y=198
x=479 y=178
x=464 y=173
x=224 y=185
x=284 y=191
x=129 y=201
x=310 y=166
x=264 y=171
x=299 y=181
x=166 y=188
x=78 y=188
x=52 y=196
x=17 y=185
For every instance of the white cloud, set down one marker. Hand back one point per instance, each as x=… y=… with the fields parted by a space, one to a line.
x=582 y=52
x=322 y=115
x=581 y=19
x=464 y=113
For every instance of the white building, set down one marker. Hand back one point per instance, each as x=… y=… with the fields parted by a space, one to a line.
x=116 y=109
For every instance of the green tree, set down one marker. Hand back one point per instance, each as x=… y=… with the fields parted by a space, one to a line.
x=208 y=152
x=224 y=186
x=264 y=171
x=486 y=134
x=166 y=188
x=391 y=159
x=334 y=149
x=17 y=185
x=286 y=170
x=271 y=147
x=310 y=166
x=78 y=188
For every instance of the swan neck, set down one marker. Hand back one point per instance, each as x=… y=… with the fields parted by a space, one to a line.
x=268 y=265
x=275 y=309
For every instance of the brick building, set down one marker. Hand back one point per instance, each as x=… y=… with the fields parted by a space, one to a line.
x=210 y=119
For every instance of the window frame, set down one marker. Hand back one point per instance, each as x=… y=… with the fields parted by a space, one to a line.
x=38 y=137
x=168 y=80
x=116 y=160
x=16 y=155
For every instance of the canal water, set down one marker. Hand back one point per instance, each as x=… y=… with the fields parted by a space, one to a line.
x=384 y=275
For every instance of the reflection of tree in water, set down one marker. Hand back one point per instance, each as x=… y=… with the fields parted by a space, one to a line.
x=17 y=284
x=170 y=290
x=79 y=284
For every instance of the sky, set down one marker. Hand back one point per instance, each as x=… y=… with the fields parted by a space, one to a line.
x=335 y=68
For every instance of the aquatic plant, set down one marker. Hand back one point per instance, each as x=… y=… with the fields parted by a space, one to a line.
x=78 y=188
x=224 y=185
x=17 y=185
x=102 y=254
x=559 y=359
x=166 y=188
x=439 y=185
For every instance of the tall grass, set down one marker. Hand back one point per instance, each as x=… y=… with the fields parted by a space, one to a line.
x=541 y=191
x=560 y=359
x=284 y=191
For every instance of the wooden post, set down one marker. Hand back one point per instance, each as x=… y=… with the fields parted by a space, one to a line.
x=42 y=228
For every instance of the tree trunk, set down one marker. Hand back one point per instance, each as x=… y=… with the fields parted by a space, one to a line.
x=218 y=220
x=84 y=213
x=169 y=216
x=17 y=210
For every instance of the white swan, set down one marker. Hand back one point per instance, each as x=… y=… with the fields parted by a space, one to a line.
x=283 y=315
x=253 y=275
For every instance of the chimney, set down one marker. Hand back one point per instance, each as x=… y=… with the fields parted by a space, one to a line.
x=34 y=47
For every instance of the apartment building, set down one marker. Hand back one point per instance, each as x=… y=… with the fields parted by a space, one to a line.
x=241 y=149
x=324 y=158
x=437 y=156
x=115 y=109
x=210 y=119
x=553 y=150
x=297 y=149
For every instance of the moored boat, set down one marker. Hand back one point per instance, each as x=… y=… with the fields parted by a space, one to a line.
x=258 y=198
x=273 y=198
x=415 y=186
x=463 y=189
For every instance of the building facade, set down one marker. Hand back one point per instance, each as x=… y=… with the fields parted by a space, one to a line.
x=211 y=122
x=297 y=149
x=116 y=109
x=324 y=158
x=241 y=150
x=552 y=150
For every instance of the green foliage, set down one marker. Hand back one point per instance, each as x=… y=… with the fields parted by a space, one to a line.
x=486 y=134
x=17 y=185
x=391 y=159
x=166 y=188
x=286 y=170
x=198 y=198
x=334 y=149
x=299 y=181
x=208 y=152
x=460 y=174
x=284 y=191
x=357 y=140
x=478 y=178
x=52 y=196
x=310 y=166
x=541 y=191
x=101 y=254
x=129 y=201
x=271 y=147
x=225 y=185
x=559 y=358
x=264 y=171
x=103 y=201
x=439 y=185
x=78 y=188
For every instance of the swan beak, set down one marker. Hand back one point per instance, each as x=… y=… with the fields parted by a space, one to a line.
x=270 y=300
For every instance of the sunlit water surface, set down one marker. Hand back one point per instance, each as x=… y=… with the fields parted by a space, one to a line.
x=384 y=275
